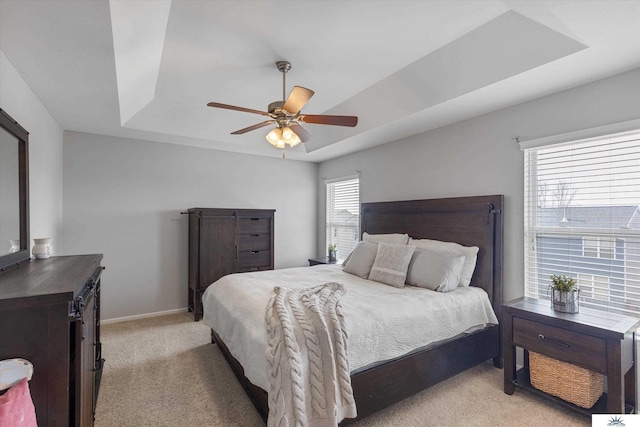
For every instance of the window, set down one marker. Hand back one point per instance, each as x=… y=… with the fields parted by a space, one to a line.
x=343 y=214
x=596 y=287
x=597 y=247
x=582 y=219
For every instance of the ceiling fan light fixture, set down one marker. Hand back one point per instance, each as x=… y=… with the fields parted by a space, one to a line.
x=280 y=137
x=274 y=136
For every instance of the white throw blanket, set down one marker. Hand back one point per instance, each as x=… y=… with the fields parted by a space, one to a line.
x=307 y=365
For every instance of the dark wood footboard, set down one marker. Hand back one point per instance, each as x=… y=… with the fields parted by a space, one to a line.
x=381 y=386
x=384 y=385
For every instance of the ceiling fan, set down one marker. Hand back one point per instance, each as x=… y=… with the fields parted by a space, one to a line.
x=286 y=115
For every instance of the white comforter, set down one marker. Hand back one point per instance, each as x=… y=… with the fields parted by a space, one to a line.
x=382 y=322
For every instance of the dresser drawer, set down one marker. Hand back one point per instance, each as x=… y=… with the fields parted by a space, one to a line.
x=258 y=259
x=562 y=344
x=255 y=242
x=254 y=225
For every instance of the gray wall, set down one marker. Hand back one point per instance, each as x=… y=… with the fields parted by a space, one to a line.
x=477 y=156
x=45 y=152
x=123 y=198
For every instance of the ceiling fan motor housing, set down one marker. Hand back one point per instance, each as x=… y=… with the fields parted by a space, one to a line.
x=282 y=117
x=275 y=107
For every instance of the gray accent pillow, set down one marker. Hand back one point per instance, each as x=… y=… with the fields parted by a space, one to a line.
x=391 y=263
x=435 y=270
x=361 y=259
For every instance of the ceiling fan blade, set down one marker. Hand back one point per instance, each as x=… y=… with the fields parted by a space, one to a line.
x=297 y=99
x=350 y=121
x=233 y=107
x=299 y=130
x=254 y=127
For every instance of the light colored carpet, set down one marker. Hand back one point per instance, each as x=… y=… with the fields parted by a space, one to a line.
x=163 y=371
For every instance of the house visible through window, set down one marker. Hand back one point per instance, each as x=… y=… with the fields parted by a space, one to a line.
x=343 y=214
x=582 y=219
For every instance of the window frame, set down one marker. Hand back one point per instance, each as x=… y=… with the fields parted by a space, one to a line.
x=610 y=260
x=342 y=252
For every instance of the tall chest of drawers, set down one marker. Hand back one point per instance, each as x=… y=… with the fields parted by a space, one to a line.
x=225 y=241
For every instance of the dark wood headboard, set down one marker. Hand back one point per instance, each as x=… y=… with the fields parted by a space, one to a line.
x=469 y=221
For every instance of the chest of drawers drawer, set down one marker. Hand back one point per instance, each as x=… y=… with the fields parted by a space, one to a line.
x=254 y=242
x=580 y=349
x=252 y=260
x=255 y=225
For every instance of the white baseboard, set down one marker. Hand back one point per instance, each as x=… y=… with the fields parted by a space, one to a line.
x=142 y=316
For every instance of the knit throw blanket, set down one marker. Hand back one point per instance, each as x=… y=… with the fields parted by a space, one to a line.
x=307 y=366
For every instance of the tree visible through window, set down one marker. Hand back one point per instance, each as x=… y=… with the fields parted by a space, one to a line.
x=582 y=219
x=343 y=214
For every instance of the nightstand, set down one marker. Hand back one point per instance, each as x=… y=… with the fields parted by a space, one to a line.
x=596 y=340
x=325 y=260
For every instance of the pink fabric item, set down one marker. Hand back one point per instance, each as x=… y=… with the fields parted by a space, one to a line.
x=16 y=406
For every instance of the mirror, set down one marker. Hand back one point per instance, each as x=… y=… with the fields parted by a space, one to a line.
x=14 y=192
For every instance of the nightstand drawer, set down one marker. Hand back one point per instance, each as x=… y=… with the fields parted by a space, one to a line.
x=562 y=344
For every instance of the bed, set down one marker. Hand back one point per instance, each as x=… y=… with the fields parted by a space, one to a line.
x=469 y=221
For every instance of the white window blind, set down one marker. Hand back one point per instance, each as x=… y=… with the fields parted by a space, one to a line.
x=582 y=219
x=343 y=214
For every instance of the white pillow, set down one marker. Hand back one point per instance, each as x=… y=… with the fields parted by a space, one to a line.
x=361 y=259
x=394 y=239
x=391 y=263
x=435 y=270
x=470 y=254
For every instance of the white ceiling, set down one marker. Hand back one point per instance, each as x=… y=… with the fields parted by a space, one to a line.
x=146 y=69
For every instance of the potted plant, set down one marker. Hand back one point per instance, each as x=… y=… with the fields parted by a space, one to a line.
x=332 y=251
x=564 y=293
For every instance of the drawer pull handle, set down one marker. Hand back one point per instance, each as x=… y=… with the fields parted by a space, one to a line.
x=564 y=344
x=255 y=235
x=255 y=219
x=255 y=252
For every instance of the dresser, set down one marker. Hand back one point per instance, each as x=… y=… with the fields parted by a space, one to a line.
x=225 y=241
x=50 y=315
x=592 y=339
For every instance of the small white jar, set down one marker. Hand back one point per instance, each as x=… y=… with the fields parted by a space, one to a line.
x=42 y=248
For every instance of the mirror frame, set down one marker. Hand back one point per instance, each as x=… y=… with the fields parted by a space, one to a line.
x=11 y=126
